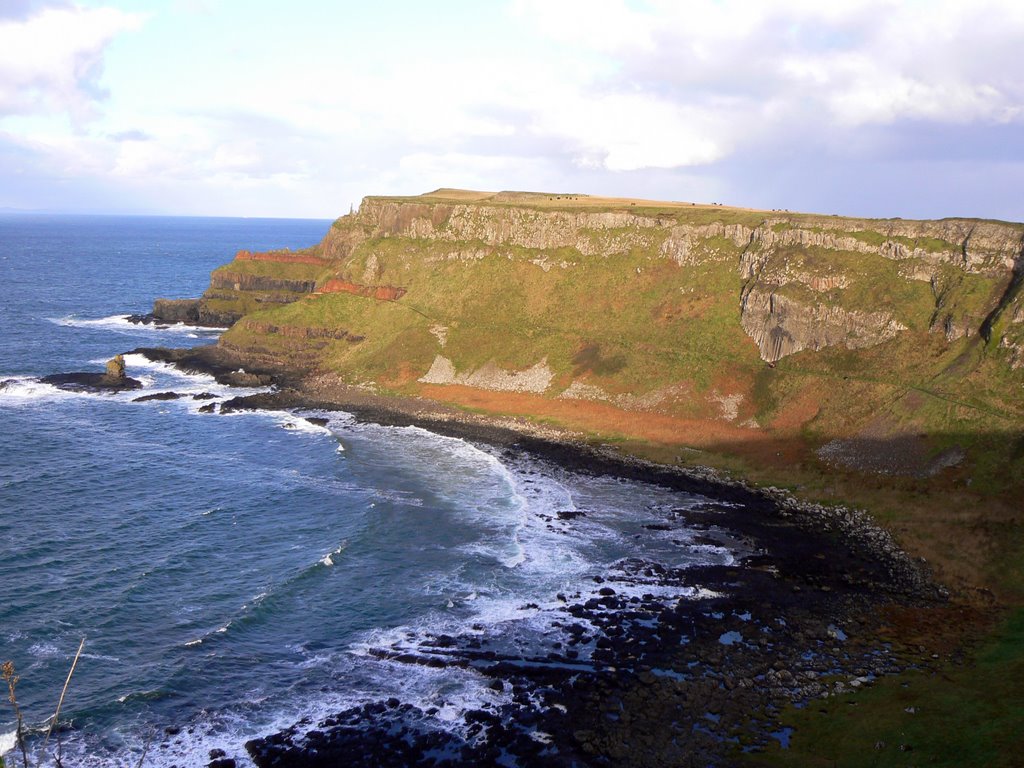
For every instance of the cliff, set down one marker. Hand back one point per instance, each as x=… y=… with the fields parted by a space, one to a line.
x=634 y=318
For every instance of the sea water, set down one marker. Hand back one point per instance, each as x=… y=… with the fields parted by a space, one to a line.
x=231 y=574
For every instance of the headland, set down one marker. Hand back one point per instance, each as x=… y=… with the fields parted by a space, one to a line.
x=876 y=364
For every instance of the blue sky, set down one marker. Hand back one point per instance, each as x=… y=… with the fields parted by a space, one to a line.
x=263 y=108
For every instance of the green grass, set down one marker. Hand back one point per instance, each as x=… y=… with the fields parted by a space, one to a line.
x=961 y=716
x=275 y=269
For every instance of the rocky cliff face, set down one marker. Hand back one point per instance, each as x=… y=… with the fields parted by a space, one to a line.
x=781 y=326
x=827 y=259
x=659 y=308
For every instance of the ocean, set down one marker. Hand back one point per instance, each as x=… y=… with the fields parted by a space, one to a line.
x=233 y=574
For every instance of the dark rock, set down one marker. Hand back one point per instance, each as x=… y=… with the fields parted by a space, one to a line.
x=176 y=311
x=86 y=381
x=208 y=408
x=204 y=396
x=242 y=378
x=158 y=396
x=318 y=421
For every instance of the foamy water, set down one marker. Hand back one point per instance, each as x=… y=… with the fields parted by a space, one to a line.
x=122 y=324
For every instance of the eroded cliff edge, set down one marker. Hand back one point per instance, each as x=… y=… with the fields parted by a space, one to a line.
x=886 y=345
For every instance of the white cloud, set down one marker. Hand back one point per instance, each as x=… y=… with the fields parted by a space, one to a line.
x=767 y=66
x=625 y=132
x=51 y=62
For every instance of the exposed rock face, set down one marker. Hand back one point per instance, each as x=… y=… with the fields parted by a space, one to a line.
x=977 y=247
x=176 y=311
x=536 y=378
x=113 y=379
x=243 y=282
x=781 y=326
x=185 y=311
x=771 y=255
x=88 y=381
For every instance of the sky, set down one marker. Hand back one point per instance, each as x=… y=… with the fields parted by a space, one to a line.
x=264 y=108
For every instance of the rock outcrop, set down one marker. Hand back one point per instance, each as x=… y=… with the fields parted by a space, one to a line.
x=113 y=379
x=115 y=368
x=781 y=326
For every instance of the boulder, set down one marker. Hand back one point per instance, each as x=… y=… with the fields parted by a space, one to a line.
x=115 y=368
x=157 y=396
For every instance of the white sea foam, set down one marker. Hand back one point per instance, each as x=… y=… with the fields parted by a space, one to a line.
x=520 y=611
x=121 y=324
x=454 y=463
x=161 y=376
x=44 y=650
x=20 y=390
x=299 y=424
x=328 y=559
x=453 y=691
x=7 y=742
x=100 y=657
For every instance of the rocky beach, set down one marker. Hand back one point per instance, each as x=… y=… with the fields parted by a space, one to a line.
x=654 y=664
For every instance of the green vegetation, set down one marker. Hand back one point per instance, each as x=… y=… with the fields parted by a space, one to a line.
x=274 y=269
x=960 y=716
x=928 y=244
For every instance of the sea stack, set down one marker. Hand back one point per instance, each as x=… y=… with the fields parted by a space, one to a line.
x=115 y=369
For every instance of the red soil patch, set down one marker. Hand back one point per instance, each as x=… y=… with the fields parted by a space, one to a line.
x=381 y=292
x=601 y=418
x=798 y=410
x=406 y=374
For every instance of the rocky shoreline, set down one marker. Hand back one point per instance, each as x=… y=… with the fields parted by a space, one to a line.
x=633 y=673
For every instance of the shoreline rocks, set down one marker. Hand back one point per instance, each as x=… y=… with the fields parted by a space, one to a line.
x=184 y=311
x=113 y=379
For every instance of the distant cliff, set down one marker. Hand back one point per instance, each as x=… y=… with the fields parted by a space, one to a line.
x=768 y=322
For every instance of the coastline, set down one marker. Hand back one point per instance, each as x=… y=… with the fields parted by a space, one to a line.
x=820 y=582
